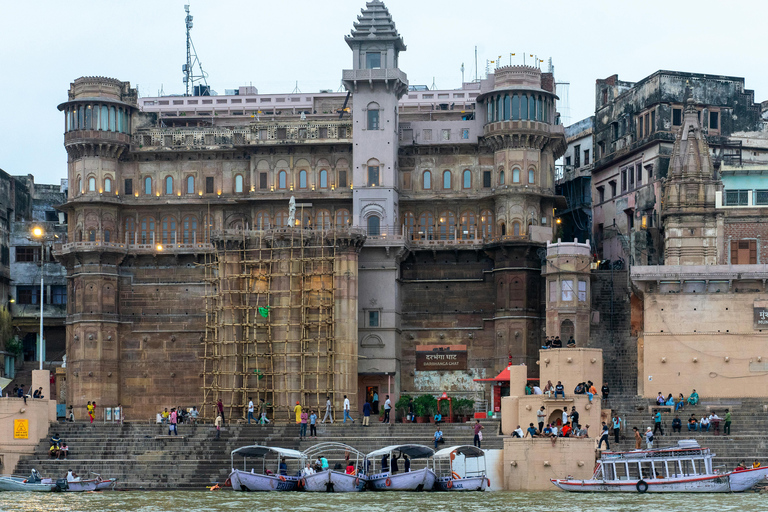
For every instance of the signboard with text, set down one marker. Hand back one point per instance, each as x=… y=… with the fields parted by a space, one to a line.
x=760 y=314
x=21 y=429
x=441 y=357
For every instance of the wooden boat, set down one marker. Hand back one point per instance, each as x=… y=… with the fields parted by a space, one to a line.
x=684 y=468
x=466 y=459
x=91 y=484
x=32 y=483
x=421 y=477
x=334 y=480
x=265 y=473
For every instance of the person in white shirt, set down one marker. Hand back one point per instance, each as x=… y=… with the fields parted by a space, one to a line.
x=328 y=415
x=554 y=430
x=387 y=408
x=518 y=432
x=565 y=417
x=537 y=390
x=346 y=410
x=72 y=476
x=250 y=410
x=704 y=423
x=307 y=470
x=541 y=417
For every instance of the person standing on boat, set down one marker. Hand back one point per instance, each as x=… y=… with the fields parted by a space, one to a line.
x=375 y=404
x=387 y=409
x=638 y=439
x=385 y=463
x=407 y=464
x=328 y=415
x=346 y=410
x=649 y=438
x=477 y=428
x=283 y=467
x=366 y=414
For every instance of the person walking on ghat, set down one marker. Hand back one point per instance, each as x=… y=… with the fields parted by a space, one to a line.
x=250 y=410
x=328 y=415
x=91 y=411
x=218 y=424
x=477 y=428
x=387 y=409
x=638 y=439
x=604 y=438
x=297 y=412
x=220 y=408
x=263 y=412
x=346 y=410
x=375 y=404
x=727 y=426
x=366 y=413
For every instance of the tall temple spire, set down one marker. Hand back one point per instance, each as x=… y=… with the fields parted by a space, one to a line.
x=375 y=25
x=688 y=211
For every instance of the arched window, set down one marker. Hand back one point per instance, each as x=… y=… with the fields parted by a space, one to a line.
x=107 y=235
x=88 y=117
x=190 y=184
x=130 y=230
x=427 y=180
x=147 y=230
x=91 y=235
x=342 y=218
x=467 y=225
x=501 y=177
x=373 y=116
x=103 y=120
x=486 y=223
x=323 y=179
x=503 y=228
x=497 y=115
x=282 y=181
x=306 y=218
x=79 y=188
x=238 y=184
x=91 y=184
x=374 y=225
x=107 y=184
x=281 y=218
x=523 y=107
x=409 y=224
x=189 y=229
x=262 y=220
x=532 y=106
x=488 y=109
x=111 y=119
x=540 y=110
x=426 y=226
x=302 y=179
x=466 y=181
x=545 y=116
x=323 y=219
x=447 y=225
x=506 y=107
x=515 y=175
x=148 y=186
x=447 y=180
x=169 y=230
x=516 y=228
x=168 y=185
x=531 y=176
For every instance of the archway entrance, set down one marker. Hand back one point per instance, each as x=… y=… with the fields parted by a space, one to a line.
x=566 y=330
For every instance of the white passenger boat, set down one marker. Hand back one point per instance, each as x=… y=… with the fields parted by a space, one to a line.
x=451 y=462
x=418 y=477
x=684 y=468
x=266 y=468
x=32 y=483
x=337 y=477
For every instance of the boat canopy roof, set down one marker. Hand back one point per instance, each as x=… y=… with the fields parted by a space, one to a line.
x=465 y=450
x=414 y=451
x=263 y=451
x=330 y=447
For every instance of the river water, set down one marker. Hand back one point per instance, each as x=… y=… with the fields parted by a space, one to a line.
x=175 y=501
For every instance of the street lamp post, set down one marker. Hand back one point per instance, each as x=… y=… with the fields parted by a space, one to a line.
x=38 y=233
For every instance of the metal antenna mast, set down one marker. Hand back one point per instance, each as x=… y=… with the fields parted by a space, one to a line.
x=189 y=77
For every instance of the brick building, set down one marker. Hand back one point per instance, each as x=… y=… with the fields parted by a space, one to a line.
x=431 y=210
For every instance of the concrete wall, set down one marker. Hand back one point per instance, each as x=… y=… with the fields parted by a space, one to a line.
x=571 y=366
x=530 y=463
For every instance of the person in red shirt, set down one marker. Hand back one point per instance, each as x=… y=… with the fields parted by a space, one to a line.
x=566 y=430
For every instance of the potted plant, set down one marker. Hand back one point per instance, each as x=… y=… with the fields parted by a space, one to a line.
x=401 y=407
x=425 y=408
x=464 y=408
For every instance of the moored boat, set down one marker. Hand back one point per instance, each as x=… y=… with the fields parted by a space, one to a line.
x=466 y=459
x=32 y=483
x=416 y=460
x=686 y=467
x=278 y=469
x=347 y=475
x=91 y=484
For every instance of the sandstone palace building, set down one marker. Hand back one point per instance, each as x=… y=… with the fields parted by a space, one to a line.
x=410 y=260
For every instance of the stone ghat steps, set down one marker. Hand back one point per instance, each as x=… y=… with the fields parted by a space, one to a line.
x=139 y=459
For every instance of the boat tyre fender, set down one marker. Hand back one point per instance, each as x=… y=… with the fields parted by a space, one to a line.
x=641 y=486
x=449 y=484
x=228 y=483
x=301 y=484
x=282 y=478
x=388 y=482
x=489 y=482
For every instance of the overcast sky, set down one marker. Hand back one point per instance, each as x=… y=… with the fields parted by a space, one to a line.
x=46 y=44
